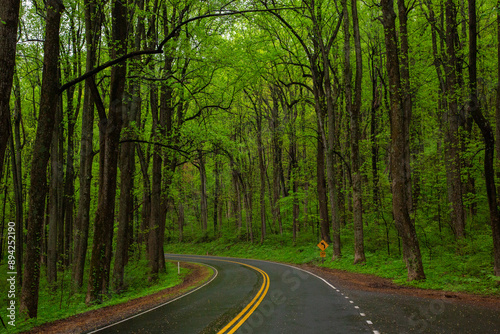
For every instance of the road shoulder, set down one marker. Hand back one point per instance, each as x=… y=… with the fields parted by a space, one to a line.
x=91 y=320
x=374 y=283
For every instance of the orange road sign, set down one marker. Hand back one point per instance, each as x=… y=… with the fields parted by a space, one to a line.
x=322 y=254
x=322 y=245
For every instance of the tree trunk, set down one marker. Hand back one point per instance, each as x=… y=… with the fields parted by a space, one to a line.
x=180 y=221
x=127 y=166
x=55 y=213
x=262 y=175
x=277 y=143
x=41 y=153
x=9 y=14
x=156 y=215
x=69 y=183
x=294 y=170
x=357 y=191
x=58 y=181
x=217 y=205
x=125 y=213
x=322 y=91
x=248 y=194
x=80 y=241
x=406 y=96
x=18 y=178
x=452 y=148
x=400 y=202
x=497 y=109
x=110 y=129
x=487 y=132
x=374 y=129
x=237 y=194
x=146 y=198
x=322 y=196
x=203 y=192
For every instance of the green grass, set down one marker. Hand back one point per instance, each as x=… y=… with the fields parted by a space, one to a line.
x=62 y=303
x=446 y=269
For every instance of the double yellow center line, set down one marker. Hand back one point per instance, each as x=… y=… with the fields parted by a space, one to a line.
x=250 y=308
x=240 y=319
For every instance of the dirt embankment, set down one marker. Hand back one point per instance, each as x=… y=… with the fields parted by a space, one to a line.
x=95 y=319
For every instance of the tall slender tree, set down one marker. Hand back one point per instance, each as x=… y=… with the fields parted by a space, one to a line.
x=488 y=138
x=400 y=200
x=41 y=153
x=357 y=192
x=9 y=17
x=110 y=127
x=93 y=23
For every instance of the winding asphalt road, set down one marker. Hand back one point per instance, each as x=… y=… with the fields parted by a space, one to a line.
x=251 y=296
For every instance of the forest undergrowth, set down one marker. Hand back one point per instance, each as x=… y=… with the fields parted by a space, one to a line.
x=61 y=300
x=466 y=267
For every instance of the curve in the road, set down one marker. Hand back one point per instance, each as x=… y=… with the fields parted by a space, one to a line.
x=216 y=272
x=241 y=301
x=250 y=308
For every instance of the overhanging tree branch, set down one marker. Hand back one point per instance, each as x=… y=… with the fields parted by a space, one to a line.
x=105 y=66
x=172 y=34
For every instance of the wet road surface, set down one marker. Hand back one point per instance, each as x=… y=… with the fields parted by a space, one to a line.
x=252 y=296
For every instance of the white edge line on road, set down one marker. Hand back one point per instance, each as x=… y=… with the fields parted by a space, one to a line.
x=283 y=264
x=216 y=272
x=324 y=280
x=294 y=267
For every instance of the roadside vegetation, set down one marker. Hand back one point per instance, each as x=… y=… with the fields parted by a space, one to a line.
x=467 y=269
x=60 y=301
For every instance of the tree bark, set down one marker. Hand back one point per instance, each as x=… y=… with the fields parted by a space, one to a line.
x=277 y=144
x=488 y=138
x=155 y=216
x=9 y=13
x=452 y=139
x=110 y=129
x=375 y=104
x=262 y=175
x=217 y=205
x=55 y=213
x=237 y=209
x=357 y=191
x=127 y=165
x=180 y=221
x=294 y=168
x=203 y=192
x=146 y=198
x=247 y=188
x=80 y=238
x=41 y=153
x=400 y=202
x=322 y=196
x=17 y=176
x=406 y=96
x=497 y=109
x=125 y=213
